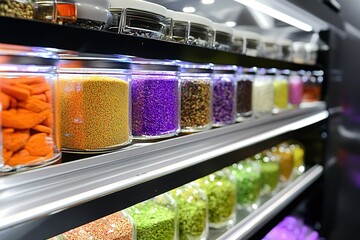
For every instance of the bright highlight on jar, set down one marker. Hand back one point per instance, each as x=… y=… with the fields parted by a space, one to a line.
x=189 y=9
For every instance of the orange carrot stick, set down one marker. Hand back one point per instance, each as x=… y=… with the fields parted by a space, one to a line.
x=8 y=130
x=29 y=80
x=34 y=105
x=42 y=128
x=39 y=145
x=23 y=118
x=41 y=97
x=24 y=86
x=15 y=141
x=13 y=102
x=16 y=92
x=48 y=96
x=5 y=101
x=40 y=88
x=7 y=154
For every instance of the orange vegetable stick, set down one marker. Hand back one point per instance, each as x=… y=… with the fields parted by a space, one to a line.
x=41 y=97
x=40 y=88
x=23 y=118
x=29 y=80
x=13 y=102
x=5 y=101
x=39 y=145
x=42 y=128
x=34 y=105
x=16 y=92
x=24 y=86
x=48 y=96
x=8 y=130
x=20 y=159
x=7 y=154
x=15 y=141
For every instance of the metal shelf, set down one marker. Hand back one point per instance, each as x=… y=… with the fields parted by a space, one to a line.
x=34 y=203
x=249 y=225
x=32 y=33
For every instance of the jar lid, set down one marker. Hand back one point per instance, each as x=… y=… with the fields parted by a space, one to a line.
x=69 y=61
x=271 y=71
x=250 y=71
x=139 y=5
x=155 y=65
x=249 y=35
x=238 y=34
x=187 y=67
x=218 y=27
x=311 y=47
x=298 y=46
x=268 y=39
x=20 y=55
x=97 y=10
x=225 y=69
x=188 y=17
x=285 y=72
x=284 y=42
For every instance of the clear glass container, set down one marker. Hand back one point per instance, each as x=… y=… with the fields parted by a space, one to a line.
x=296 y=88
x=193 y=212
x=252 y=43
x=224 y=95
x=64 y=12
x=18 y=8
x=139 y=18
x=285 y=50
x=311 y=53
x=28 y=108
x=312 y=82
x=223 y=37
x=298 y=152
x=245 y=78
x=155 y=93
x=248 y=175
x=94 y=122
x=263 y=93
x=220 y=189
x=286 y=161
x=270 y=172
x=238 y=42
x=299 y=55
x=190 y=29
x=156 y=218
x=281 y=91
x=269 y=47
x=196 y=96
x=117 y=226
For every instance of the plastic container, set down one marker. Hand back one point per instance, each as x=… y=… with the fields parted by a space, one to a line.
x=299 y=52
x=285 y=50
x=311 y=53
x=196 y=96
x=270 y=172
x=298 y=152
x=220 y=189
x=223 y=37
x=139 y=18
x=245 y=78
x=263 y=92
x=286 y=161
x=238 y=42
x=269 y=47
x=94 y=122
x=312 y=83
x=248 y=175
x=28 y=130
x=155 y=97
x=224 y=95
x=64 y=12
x=117 y=226
x=193 y=212
x=252 y=43
x=190 y=29
x=296 y=88
x=17 y=8
x=281 y=91
x=156 y=218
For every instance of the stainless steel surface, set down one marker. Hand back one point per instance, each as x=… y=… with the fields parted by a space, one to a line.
x=253 y=222
x=39 y=193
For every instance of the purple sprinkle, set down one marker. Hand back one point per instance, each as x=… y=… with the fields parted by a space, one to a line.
x=224 y=111
x=155 y=105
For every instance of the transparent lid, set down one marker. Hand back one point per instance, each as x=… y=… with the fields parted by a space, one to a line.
x=218 y=27
x=238 y=34
x=249 y=35
x=268 y=40
x=155 y=65
x=298 y=46
x=225 y=69
x=139 y=5
x=188 y=67
x=97 y=10
x=311 y=47
x=284 y=42
x=188 y=17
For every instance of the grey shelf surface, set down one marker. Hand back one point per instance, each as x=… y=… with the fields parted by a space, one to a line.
x=29 y=198
x=247 y=225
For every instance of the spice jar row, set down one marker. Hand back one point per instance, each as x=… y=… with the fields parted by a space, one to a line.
x=188 y=211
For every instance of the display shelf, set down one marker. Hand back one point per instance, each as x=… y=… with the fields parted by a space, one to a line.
x=32 y=33
x=246 y=227
x=80 y=191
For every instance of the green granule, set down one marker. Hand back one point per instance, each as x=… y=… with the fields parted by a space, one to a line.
x=153 y=221
x=248 y=184
x=270 y=174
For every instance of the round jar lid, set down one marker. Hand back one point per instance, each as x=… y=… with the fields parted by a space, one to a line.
x=218 y=27
x=187 y=67
x=268 y=39
x=155 y=65
x=97 y=10
x=250 y=71
x=139 y=5
x=188 y=17
x=248 y=34
x=69 y=61
x=284 y=42
x=225 y=69
x=298 y=46
x=311 y=47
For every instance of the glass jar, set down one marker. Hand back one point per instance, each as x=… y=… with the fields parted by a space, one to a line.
x=286 y=161
x=139 y=18
x=311 y=53
x=220 y=189
x=193 y=212
x=238 y=42
x=245 y=78
x=312 y=86
x=298 y=152
x=295 y=88
x=196 y=96
x=263 y=93
x=285 y=50
x=248 y=175
x=94 y=122
x=252 y=43
x=155 y=93
x=269 y=47
x=17 y=8
x=156 y=218
x=190 y=29
x=116 y=226
x=281 y=91
x=224 y=95
x=28 y=108
x=299 y=52
x=56 y=12
x=223 y=37
x=270 y=172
